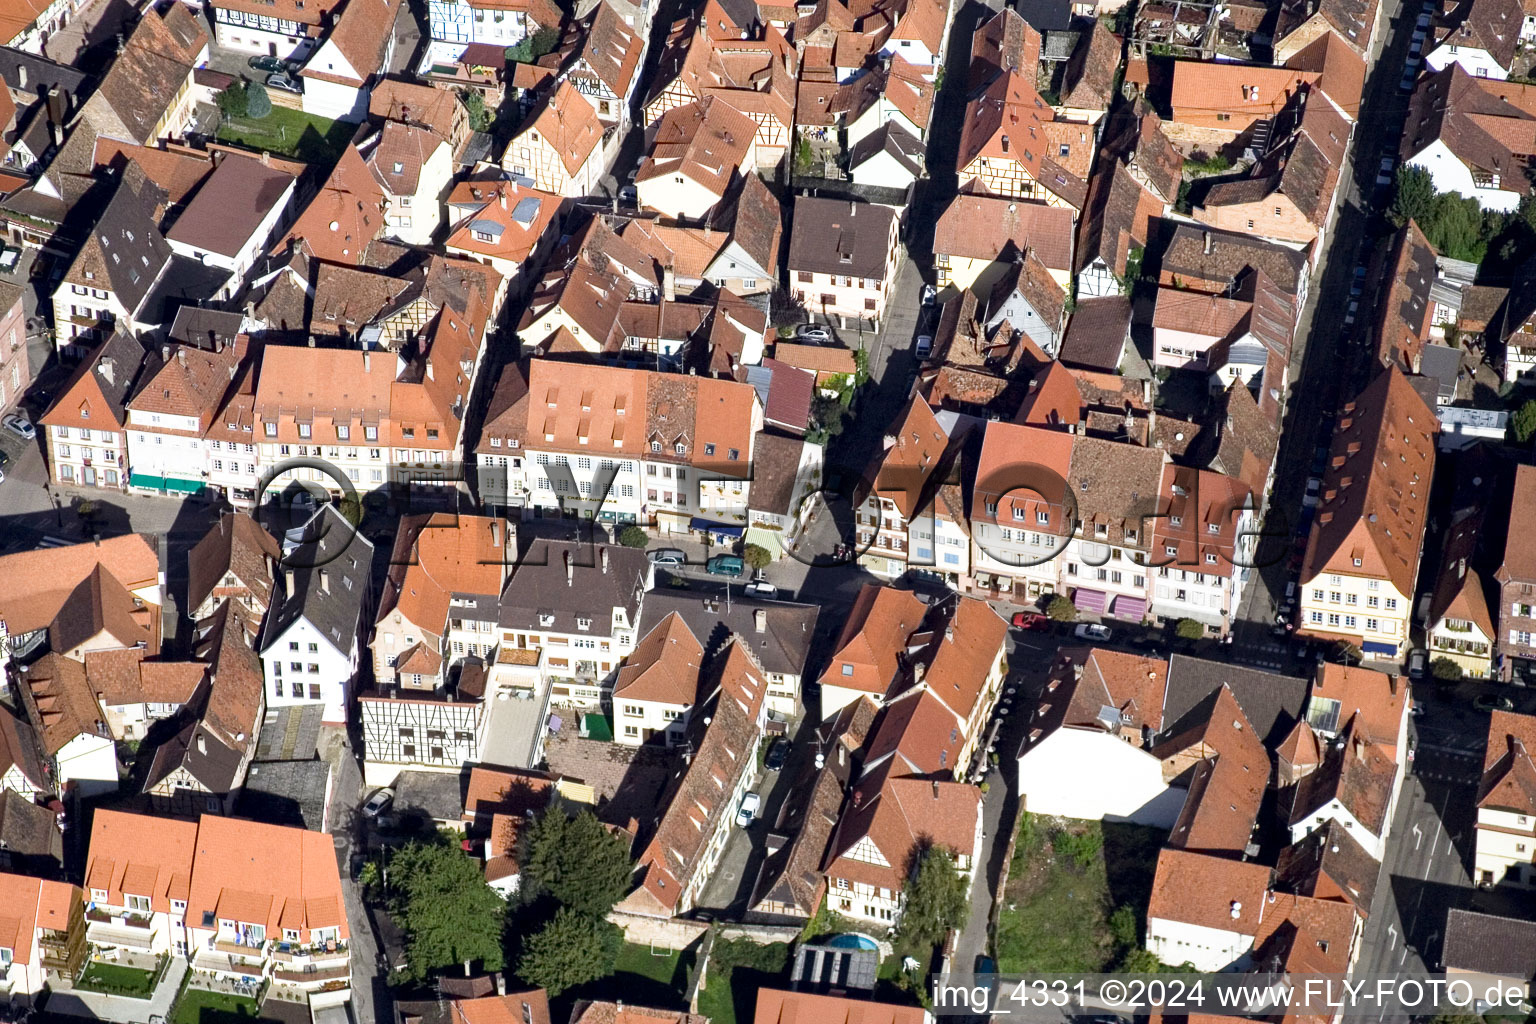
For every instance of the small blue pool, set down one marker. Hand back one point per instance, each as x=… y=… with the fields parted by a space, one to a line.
x=852 y=940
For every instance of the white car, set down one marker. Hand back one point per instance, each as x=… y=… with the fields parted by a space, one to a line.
x=1384 y=174
x=1093 y=631
x=378 y=803
x=929 y=294
x=924 y=345
x=750 y=805
x=1312 y=497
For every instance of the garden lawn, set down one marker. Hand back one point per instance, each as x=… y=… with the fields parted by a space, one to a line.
x=117 y=980
x=316 y=140
x=199 y=1006
x=738 y=969
x=1065 y=880
x=642 y=978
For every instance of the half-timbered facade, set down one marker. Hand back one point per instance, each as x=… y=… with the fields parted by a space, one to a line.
x=420 y=731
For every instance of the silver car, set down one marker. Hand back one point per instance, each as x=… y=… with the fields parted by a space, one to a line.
x=18 y=425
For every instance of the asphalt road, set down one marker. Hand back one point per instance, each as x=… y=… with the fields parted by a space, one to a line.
x=1330 y=360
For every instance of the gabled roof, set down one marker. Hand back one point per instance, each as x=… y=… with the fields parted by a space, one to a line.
x=398 y=152
x=1489 y=25
x=272 y=875
x=896 y=815
x=1406 y=310
x=344 y=215
x=1208 y=891
x=1089 y=82
x=1519 y=563
x=1227 y=786
x=1006 y=123
x=611 y=49
x=440 y=556
x=1357 y=774
x=777 y=1007
x=96 y=393
x=328 y=567
x=706 y=141
x=1488 y=944
x=19 y=748
x=995 y=227
x=663 y=667
x=1353 y=20
x=915 y=450
x=831 y=236
x=567 y=122
x=121 y=863
x=502 y=219
x=1004 y=43
x=361 y=34
x=125 y=252
x=1476 y=123
x=868 y=653
x=1330 y=864
x=1375 y=491
x=699 y=798
x=1117 y=218
x=1509 y=775
x=231 y=204
x=1272 y=703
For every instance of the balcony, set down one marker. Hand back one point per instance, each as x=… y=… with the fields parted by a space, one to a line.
x=117 y=934
x=127 y=919
x=286 y=952
x=210 y=959
x=314 y=975
x=248 y=950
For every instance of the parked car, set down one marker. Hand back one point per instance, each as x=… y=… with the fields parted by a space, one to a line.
x=1031 y=620
x=924 y=345
x=1416 y=664
x=814 y=334
x=1093 y=631
x=750 y=805
x=380 y=802
x=762 y=588
x=725 y=565
x=18 y=425
x=778 y=754
x=629 y=195
x=1313 y=493
x=284 y=81
x=1493 y=702
x=271 y=65
x=671 y=558
x=1384 y=172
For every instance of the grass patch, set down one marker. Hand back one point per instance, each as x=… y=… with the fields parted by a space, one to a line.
x=118 y=980
x=1065 y=882
x=199 y=1006
x=738 y=968
x=316 y=140
x=641 y=977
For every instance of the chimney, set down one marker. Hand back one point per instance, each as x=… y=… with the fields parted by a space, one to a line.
x=21 y=78
x=165 y=353
x=202 y=744
x=570 y=570
x=107 y=369
x=325 y=581
x=430 y=374
x=501 y=983
x=603 y=554
x=367 y=362
x=288 y=579
x=935 y=789
x=311 y=341
x=495 y=535
x=181 y=357
x=266 y=158
x=668 y=285
x=760 y=620
x=1206 y=238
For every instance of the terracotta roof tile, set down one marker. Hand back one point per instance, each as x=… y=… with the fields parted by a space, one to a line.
x=992 y=227
x=663 y=667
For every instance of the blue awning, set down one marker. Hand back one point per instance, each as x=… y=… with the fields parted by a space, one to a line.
x=1378 y=647
x=710 y=526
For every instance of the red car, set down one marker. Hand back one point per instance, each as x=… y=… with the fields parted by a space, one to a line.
x=1031 y=620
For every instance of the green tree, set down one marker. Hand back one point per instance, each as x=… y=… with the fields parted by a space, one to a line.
x=1061 y=609
x=1188 y=629
x=633 y=537
x=479 y=117
x=1446 y=670
x=351 y=510
x=1413 y=196
x=1523 y=422
x=1139 y=961
x=571 y=950
x=533 y=47
x=1123 y=928
x=756 y=556
x=232 y=100
x=440 y=899
x=257 y=103
x=936 y=900
x=576 y=860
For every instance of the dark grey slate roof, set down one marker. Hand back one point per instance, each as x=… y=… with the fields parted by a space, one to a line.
x=832 y=236
x=27 y=831
x=133 y=251
x=1271 y=701
x=205 y=757
x=539 y=585
x=332 y=602
x=290 y=793
x=436 y=794
x=782 y=647
x=30 y=74
x=202 y=328
x=1488 y=944
x=891 y=138
x=1097 y=333
x=186 y=282
x=1442 y=363
x=290 y=733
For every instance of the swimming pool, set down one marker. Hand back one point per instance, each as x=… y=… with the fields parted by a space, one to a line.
x=852 y=940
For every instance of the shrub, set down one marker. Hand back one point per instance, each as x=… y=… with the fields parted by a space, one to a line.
x=633 y=537
x=232 y=101
x=756 y=556
x=1189 y=629
x=1081 y=848
x=1446 y=670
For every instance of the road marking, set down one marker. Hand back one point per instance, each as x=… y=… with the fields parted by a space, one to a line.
x=1392 y=934
x=1418 y=836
